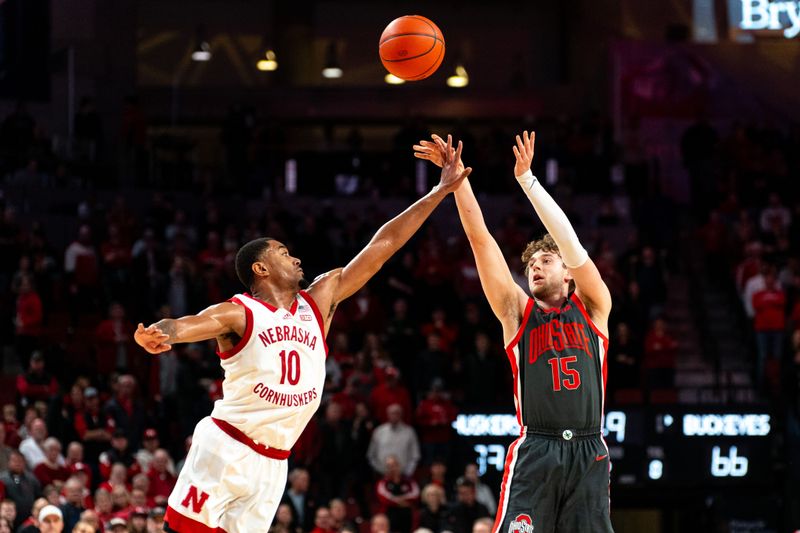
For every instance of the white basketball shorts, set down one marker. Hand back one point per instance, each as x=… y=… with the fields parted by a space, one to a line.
x=229 y=483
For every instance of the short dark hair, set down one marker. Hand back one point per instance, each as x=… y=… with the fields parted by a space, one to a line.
x=246 y=256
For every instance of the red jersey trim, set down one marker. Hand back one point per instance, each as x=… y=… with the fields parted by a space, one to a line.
x=317 y=314
x=271 y=307
x=184 y=524
x=528 y=307
x=585 y=314
x=237 y=434
x=513 y=360
x=248 y=331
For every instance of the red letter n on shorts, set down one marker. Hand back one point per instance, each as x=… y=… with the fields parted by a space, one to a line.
x=197 y=502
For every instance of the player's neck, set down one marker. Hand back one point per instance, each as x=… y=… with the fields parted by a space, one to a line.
x=551 y=301
x=282 y=298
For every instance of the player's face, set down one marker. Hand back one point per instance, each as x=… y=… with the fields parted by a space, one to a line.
x=283 y=267
x=546 y=274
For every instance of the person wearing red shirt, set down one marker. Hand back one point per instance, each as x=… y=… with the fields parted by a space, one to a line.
x=50 y=470
x=448 y=333
x=114 y=341
x=28 y=319
x=117 y=478
x=93 y=426
x=161 y=480
x=390 y=392
x=435 y=414
x=660 y=352
x=323 y=523
x=769 y=322
x=11 y=425
x=37 y=384
x=397 y=495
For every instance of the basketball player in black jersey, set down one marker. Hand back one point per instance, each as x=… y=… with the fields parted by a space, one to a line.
x=557 y=472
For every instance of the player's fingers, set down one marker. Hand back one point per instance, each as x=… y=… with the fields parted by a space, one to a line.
x=516 y=152
x=449 y=144
x=459 y=150
x=519 y=143
x=467 y=172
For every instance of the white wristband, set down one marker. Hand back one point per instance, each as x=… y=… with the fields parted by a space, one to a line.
x=527 y=179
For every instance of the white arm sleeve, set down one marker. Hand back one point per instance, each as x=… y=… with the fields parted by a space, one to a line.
x=554 y=220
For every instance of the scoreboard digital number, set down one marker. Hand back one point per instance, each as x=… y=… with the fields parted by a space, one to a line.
x=680 y=447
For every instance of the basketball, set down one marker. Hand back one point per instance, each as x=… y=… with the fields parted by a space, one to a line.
x=411 y=47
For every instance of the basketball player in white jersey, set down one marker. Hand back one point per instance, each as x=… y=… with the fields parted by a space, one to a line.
x=271 y=343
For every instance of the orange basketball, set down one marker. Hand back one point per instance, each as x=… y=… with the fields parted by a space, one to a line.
x=411 y=47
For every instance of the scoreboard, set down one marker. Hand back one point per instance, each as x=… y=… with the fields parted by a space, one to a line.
x=649 y=447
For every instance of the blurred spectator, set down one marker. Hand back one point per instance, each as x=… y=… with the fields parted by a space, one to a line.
x=466 y=509
x=447 y=332
x=8 y=511
x=297 y=496
x=483 y=494
x=335 y=459
x=483 y=525
x=84 y=526
x=51 y=520
x=435 y=415
x=103 y=505
x=36 y=384
x=624 y=360
x=285 y=517
x=93 y=426
x=72 y=507
x=430 y=364
x=769 y=305
x=32 y=446
x=50 y=470
x=339 y=518
x=118 y=453
x=82 y=270
x=391 y=392
x=433 y=510
x=394 y=438
x=137 y=523
x=660 y=351
x=482 y=374
x=397 y=495
x=379 y=524
x=322 y=521
x=31 y=523
x=11 y=425
x=5 y=450
x=114 y=342
x=117 y=525
x=150 y=445
x=127 y=410
x=155 y=521
x=28 y=319
x=20 y=485
x=161 y=480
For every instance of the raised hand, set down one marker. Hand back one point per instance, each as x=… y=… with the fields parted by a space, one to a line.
x=523 y=151
x=433 y=151
x=453 y=171
x=152 y=339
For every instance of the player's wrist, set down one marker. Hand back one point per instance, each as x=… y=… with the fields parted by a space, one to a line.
x=526 y=177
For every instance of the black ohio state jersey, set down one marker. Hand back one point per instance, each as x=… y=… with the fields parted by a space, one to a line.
x=558 y=358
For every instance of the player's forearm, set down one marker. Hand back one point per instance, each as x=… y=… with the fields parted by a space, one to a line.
x=469 y=211
x=395 y=233
x=188 y=329
x=554 y=220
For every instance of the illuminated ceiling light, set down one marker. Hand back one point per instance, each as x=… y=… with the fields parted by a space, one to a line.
x=268 y=63
x=459 y=79
x=332 y=69
x=391 y=79
x=202 y=51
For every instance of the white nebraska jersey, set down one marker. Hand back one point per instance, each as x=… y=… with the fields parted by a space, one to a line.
x=274 y=376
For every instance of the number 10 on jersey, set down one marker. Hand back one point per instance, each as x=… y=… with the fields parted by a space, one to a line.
x=290 y=367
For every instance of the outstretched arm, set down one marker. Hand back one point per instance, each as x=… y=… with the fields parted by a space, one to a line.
x=506 y=298
x=218 y=321
x=331 y=288
x=588 y=284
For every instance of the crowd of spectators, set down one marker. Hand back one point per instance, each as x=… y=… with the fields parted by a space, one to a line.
x=96 y=430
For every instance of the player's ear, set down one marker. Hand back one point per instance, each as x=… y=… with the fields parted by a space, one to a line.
x=260 y=269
